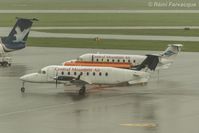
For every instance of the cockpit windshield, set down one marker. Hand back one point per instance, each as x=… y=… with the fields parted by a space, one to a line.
x=42 y=72
x=79 y=59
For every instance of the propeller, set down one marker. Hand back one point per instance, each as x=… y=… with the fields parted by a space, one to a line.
x=65 y=78
x=56 y=78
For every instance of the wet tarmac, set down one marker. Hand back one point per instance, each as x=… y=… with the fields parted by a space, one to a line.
x=167 y=105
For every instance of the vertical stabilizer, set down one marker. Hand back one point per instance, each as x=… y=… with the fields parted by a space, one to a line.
x=169 y=55
x=18 y=36
x=172 y=51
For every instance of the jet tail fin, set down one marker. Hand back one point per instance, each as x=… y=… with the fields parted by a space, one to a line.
x=172 y=51
x=150 y=63
x=169 y=55
x=18 y=35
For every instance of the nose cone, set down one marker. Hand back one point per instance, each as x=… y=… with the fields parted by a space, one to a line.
x=33 y=77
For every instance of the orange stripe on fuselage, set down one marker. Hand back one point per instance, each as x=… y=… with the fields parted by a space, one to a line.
x=99 y=64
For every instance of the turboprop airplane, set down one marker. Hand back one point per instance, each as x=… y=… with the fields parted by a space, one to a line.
x=15 y=40
x=166 y=59
x=83 y=75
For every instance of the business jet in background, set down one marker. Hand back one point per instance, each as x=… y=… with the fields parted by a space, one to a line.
x=15 y=40
x=84 y=75
x=126 y=61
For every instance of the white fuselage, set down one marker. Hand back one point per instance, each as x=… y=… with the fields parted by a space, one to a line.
x=133 y=59
x=90 y=75
x=119 y=58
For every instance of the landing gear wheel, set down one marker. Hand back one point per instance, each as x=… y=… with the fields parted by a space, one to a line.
x=22 y=89
x=82 y=91
x=5 y=64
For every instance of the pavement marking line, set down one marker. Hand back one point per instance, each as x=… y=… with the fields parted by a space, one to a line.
x=148 y=125
x=114 y=37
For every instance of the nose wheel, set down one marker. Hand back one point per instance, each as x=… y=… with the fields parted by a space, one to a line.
x=82 y=91
x=22 y=88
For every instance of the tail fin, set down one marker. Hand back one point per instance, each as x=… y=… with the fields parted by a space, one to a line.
x=18 y=35
x=169 y=55
x=149 y=63
x=172 y=51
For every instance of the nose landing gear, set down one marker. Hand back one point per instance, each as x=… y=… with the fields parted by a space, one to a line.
x=23 y=88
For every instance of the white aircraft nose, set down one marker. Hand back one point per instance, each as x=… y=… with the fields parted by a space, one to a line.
x=28 y=77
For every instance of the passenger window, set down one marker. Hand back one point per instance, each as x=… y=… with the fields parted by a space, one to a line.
x=107 y=60
x=68 y=73
x=123 y=60
x=81 y=73
x=97 y=60
x=113 y=60
x=106 y=74
x=62 y=73
x=134 y=61
x=93 y=73
x=129 y=61
x=100 y=74
x=118 y=60
x=87 y=73
x=102 y=59
x=75 y=73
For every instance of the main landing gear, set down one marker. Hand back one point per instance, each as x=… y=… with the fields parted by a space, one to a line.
x=82 y=91
x=5 y=64
x=22 y=88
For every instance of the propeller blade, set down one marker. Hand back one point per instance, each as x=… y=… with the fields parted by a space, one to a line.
x=56 y=78
x=79 y=76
